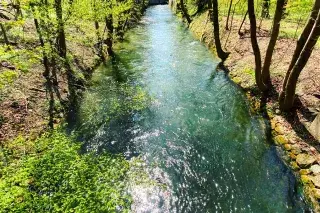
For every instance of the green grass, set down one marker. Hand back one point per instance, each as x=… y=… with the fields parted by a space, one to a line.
x=49 y=175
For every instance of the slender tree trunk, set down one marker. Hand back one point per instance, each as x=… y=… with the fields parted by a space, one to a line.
x=243 y=20
x=272 y=43
x=255 y=46
x=100 y=42
x=213 y=10
x=185 y=12
x=300 y=44
x=46 y=74
x=304 y=56
x=4 y=33
x=229 y=10
x=109 y=39
x=61 y=38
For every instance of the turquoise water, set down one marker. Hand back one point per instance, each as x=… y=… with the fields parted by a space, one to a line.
x=161 y=99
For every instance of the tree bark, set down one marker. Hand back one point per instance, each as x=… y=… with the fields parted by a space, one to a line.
x=244 y=18
x=272 y=43
x=229 y=10
x=4 y=33
x=46 y=74
x=185 y=12
x=255 y=46
x=109 y=39
x=300 y=44
x=61 y=38
x=265 y=9
x=213 y=10
x=304 y=56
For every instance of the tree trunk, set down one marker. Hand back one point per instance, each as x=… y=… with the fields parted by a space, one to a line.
x=272 y=43
x=300 y=44
x=100 y=41
x=243 y=20
x=255 y=46
x=304 y=56
x=109 y=39
x=5 y=37
x=61 y=38
x=265 y=9
x=46 y=74
x=213 y=10
x=229 y=10
x=185 y=12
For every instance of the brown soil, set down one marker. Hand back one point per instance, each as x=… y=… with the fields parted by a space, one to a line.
x=24 y=103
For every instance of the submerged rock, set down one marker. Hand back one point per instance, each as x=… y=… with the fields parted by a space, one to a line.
x=305 y=160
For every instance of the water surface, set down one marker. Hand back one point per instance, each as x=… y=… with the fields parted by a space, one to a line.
x=161 y=99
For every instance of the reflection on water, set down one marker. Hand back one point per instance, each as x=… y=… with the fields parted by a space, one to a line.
x=158 y=100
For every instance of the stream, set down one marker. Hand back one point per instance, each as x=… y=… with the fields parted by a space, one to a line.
x=161 y=99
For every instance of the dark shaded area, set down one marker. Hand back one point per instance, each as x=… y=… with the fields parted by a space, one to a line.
x=293 y=118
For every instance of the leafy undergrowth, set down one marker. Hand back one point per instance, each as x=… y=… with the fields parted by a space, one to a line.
x=49 y=175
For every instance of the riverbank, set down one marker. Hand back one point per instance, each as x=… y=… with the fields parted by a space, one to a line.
x=24 y=105
x=43 y=169
x=290 y=131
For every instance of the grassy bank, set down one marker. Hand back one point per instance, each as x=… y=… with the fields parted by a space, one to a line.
x=49 y=175
x=289 y=130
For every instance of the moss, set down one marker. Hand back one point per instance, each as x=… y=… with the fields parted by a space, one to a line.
x=292 y=156
x=281 y=140
x=294 y=165
x=287 y=147
x=279 y=129
x=305 y=179
x=304 y=171
x=237 y=80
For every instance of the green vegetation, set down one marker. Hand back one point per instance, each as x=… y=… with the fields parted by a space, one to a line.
x=49 y=175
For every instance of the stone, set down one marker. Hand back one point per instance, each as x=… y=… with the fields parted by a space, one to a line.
x=294 y=165
x=304 y=171
x=315 y=169
x=316 y=181
x=287 y=147
x=280 y=140
x=279 y=129
x=305 y=179
x=316 y=193
x=305 y=160
x=273 y=124
x=315 y=127
x=237 y=80
x=295 y=149
x=292 y=156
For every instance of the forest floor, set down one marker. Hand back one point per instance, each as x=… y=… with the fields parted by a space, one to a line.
x=23 y=99
x=291 y=131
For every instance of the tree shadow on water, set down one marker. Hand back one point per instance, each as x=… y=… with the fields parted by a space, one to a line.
x=104 y=119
